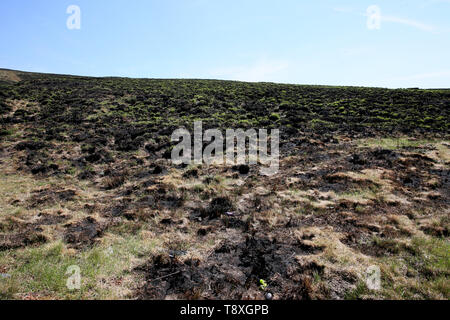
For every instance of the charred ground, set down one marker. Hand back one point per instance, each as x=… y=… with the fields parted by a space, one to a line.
x=86 y=180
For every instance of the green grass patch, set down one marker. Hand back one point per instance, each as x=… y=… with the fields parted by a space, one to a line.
x=393 y=143
x=42 y=270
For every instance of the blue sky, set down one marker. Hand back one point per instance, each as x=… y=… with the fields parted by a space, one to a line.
x=289 y=41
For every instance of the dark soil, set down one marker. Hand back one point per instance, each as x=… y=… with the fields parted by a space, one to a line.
x=83 y=233
x=231 y=271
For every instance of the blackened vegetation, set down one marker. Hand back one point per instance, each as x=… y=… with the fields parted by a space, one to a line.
x=83 y=233
x=231 y=272
x=50 y=196
x=115 y=134
x=21 y=239
x=219 y=206
x=136 y=110
x=22 y=234
x=109 y=117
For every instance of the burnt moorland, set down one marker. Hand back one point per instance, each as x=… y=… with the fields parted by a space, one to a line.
x=86 y=180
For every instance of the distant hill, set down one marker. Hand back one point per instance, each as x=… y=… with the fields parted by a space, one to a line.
x=149 y=105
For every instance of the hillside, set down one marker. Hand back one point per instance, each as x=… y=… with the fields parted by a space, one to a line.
x=86 y=180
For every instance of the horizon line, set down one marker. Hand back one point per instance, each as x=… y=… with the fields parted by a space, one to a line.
x=218 y=79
